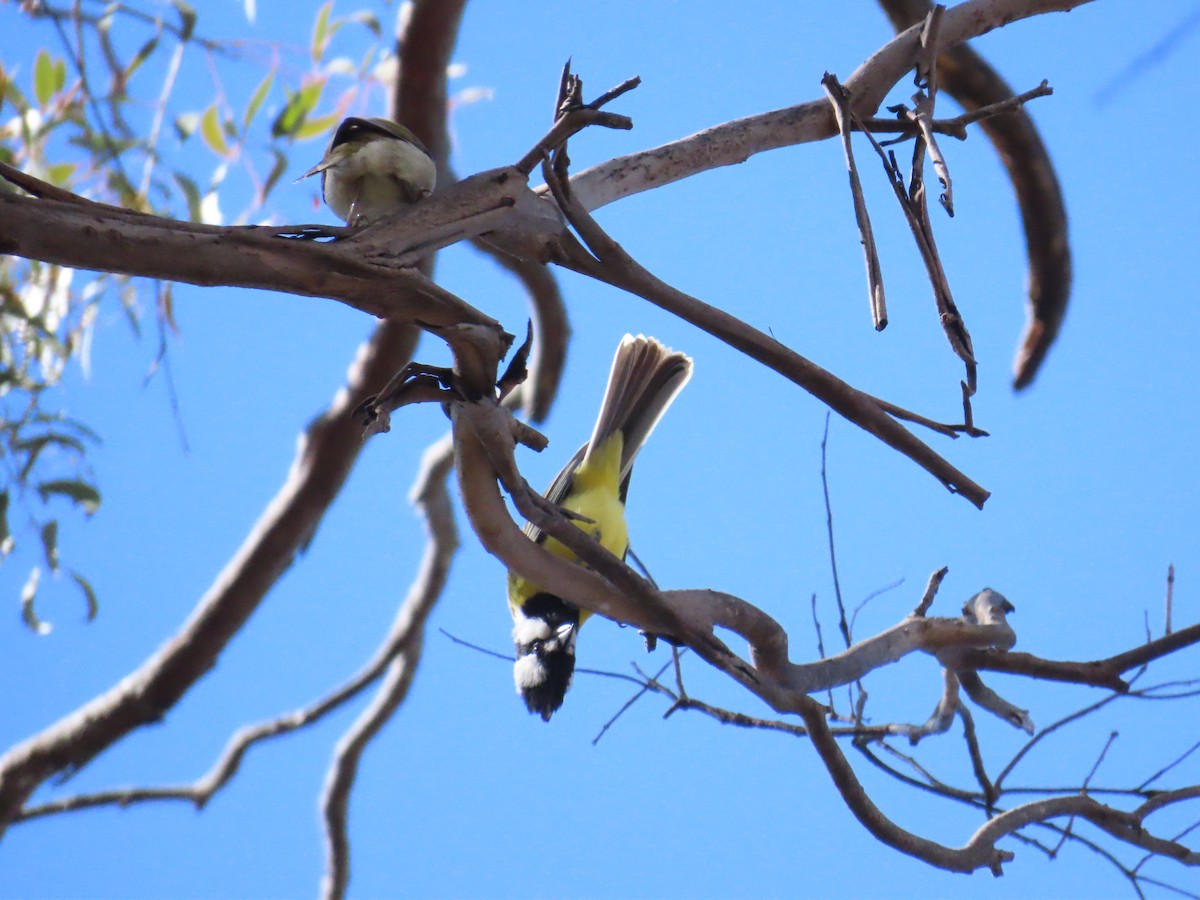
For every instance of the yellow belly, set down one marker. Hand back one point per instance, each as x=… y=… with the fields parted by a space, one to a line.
x=595 y=493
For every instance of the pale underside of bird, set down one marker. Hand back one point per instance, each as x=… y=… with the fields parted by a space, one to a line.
x=372 y=169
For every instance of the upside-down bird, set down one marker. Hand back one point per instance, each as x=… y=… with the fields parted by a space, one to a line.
x=644 y=380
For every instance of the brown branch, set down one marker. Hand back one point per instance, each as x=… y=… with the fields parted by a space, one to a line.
x=404 y=645
x=978 y=767
x=573 y=115
x=613 y=265
x=931 y=589
x=976 y=855
x=985 y=698
x=444 y=541
x=733 y=142
x=968 y=77
x=955 y=126
x=1097 y=673
x=912 y=200
x=841 y=107
x=424 y=48
x=551 y=333
x=924 y=101
x=326 y=455
x=363 y=271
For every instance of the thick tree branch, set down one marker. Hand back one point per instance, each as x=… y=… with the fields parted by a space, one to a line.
x=970 y=80
x=736 y=141
x=430 y=496
x=609 y=262
x=362 y=271
x=326 y=455
x=424 y=47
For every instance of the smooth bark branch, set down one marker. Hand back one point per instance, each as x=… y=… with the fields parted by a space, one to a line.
x=483 y=444
x=1097 y=673
x=419 y=99
x=323 y=462
x=327 y=453
x=400 y=656
x=429 y=496
x=363 y=271
x=736 y=141
x=609 y=262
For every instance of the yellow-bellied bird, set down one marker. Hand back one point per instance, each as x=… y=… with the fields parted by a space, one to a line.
x=644 y=380
x=373 y=167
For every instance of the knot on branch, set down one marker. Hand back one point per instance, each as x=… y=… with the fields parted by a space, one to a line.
x=478 y=350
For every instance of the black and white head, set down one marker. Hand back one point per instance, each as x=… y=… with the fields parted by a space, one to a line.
x=544 y=635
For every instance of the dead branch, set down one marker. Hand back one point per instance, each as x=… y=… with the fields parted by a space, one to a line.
x=1098 y=673
x=913 y=204
x=968 y=77
x=731 y=143
x=841 y=109
x=428 y=495
x=572 y=115
x=327 y=453
x=609 y=262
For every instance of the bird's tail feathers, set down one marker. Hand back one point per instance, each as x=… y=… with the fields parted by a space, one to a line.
x=645 y=378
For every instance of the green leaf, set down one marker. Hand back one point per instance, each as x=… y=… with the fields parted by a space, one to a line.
x=298 y=106
x=316 y=127
x=79 y=492
x=28 y=596
x=257 y=98
x=191 y=192
x=60 y=173
x=367 y=19
x=321 y=32
x=277 y=169
x=187 y=19
x=89 y=594
x=43 y=77
x=50 y=544
x=34 y=446
x=53 y=437
x=210 y=130
x=165 y=301
x=186 y=125
x=141 y=56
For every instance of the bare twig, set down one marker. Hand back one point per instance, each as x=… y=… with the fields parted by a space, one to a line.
x=1170 y=601
x=967 y=77
x=841 y=105
x=916 y=211
x=837 y=587
x=574 y=115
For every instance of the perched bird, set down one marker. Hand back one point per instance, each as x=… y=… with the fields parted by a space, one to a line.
x=373 y=167
x=644 y=380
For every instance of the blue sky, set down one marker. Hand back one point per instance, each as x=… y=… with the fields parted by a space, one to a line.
x=1093 y=476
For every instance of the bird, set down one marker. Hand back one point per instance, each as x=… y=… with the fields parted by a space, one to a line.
x=373 y=168
x=645 y=379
